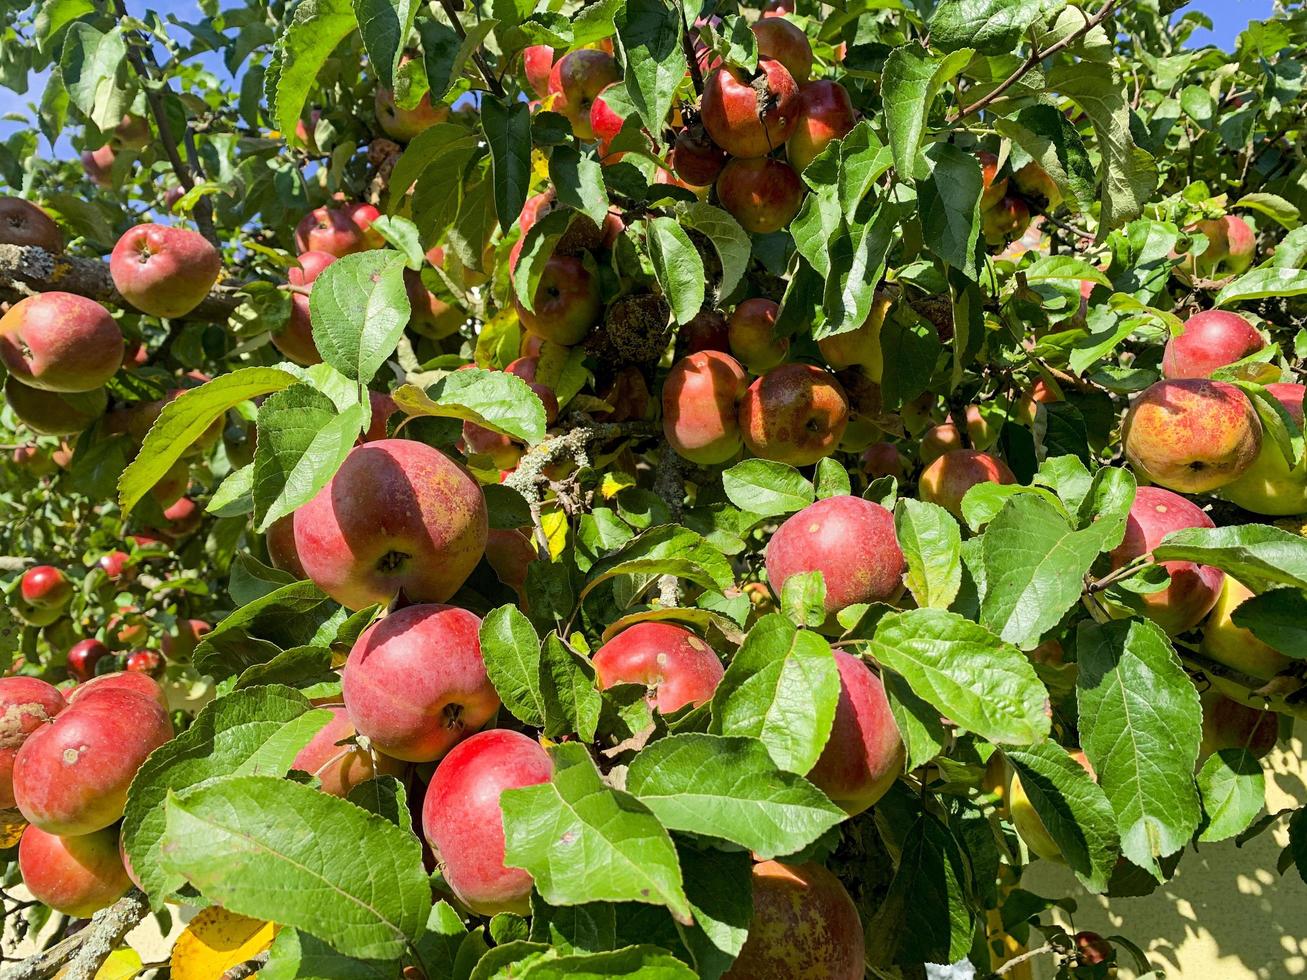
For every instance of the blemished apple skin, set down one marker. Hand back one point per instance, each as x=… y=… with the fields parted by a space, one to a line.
x=864 y=754
x=398 y=516
x=946 y=481
x=750 y=334
x=794 y=414
x=60 y=342
x=1235 y=646
x=1207 y=341
x=675 y=665
x=415 y=683
x=1270 y=486
x=463 y=822
x=731 y=110
x=1193 y=589
x=804 y=924
x=77 y=876
x=849 y=540
x=26 y=704
x=1191 y=435
x=701 y=398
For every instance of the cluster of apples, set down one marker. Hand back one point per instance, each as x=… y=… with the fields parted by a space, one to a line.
x=1006 y=198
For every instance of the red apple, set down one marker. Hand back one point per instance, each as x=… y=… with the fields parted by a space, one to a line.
x=994 y=187
x=883 y=459
x=402 y=124
x=463 y=823
x=510 y=553
x=606 y=119
x=1209 y=340
x=23 y=223
x=415 y=683
x=46 y=587
x=581 y=76
x=98 y=164
x=26 y=704
x=537 y=62
x=566 y=301
x=751 y=333
x=334 y=231
x=1092 y=948
x=750 y=118
x=701 y=398
x=763 y=195
x=164 y=271
x=342 y=767
x=398 y=516
x=794 y=414
x=60 y=342
x=946 y=481
x=280 y=539
x=676 y=666
x=785 y=41
x=383 y=408
x=696 y=159
x=148 y=662
x=825 y=114
x=133 y=682
x=295 y=339
x=77 y=876
x=708 y=330
x=82 y=658
x=54 y=413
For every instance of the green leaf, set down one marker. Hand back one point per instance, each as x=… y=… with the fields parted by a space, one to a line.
x=583 y=841
x=260 y=730
x=315 y=29
x=445 y=55
x=677 y=267
x=273 y=849
x=445 y=948
x=989 y=26
x=298 y=614
x=234 y=496
x=495 y=400
x=665 y=550
x=508 y=133
x=918 y=722
x=731 y=242
x=54 y=16
x=1261 y=283
x=94 y=70
x=803 y=598
x=832 y=479
x=385 y=25
x=730 y=788
x=971 y=676
x=510 y=648
x=444 y=148
x=767 y=488
x=720 y=888
x=185 y=419
x=567 y=688
x=578 y=180
x=302 y=441
x=1278 y=618
x=298 y=956
x=1055 y=144
x=949 y=204
x=385 y=796
x=359 y=308
x=1073 y=809
x=649 y=36
x=932 y=544
x=910 y=82
x=1273 y=206
x=537 y=248
x=781 y=687
x=306 y=668
x=1140 y=726
x=1258 y=555
x=639 y=962
x=1233 y=789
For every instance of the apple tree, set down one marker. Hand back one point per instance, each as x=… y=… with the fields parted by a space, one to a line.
x=630 y=488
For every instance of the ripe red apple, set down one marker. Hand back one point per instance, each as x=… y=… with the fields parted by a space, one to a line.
x=23 y=223
x=708 y=330
x=184 y=517
x=26 y=704
x=785 y=41
x=402 y=124
x=566 y=301
x=794 y=414
x=46 y=587
x=945 y=438
x=430 y=315
x=994 y=187
x=342 y=767
x=676 y=666
x=98 y=164
x=55 y=413
x=1209 y=340
x=336 y=232
x=398 y=516
x=883 y=459
x=537 y=62
x=114 y=564
x=60 y=342
x=510 y=552
x=825 y=114
x=750 y=332
x=1005 y=221
x=777 y=8
x=804 y=925
x=133 y=682
x=581 y=76
x=463 y=823
x=606 y=119
x=849 y=540
x=947 y=480
x=164 y=271
x=763 y=195
x=1193 y=590
x=1269 y=486
x=148 y=662
x=415 y=683
x=864 y=754
x=750 y=117
x=295 y=339
x=71 y=776
x=280 y=539
x=77 y=876
x=696 y=159
x=1228 y=724
x=1231 y=245
x=701 y=398
x=1191 y=435
x=82 y=658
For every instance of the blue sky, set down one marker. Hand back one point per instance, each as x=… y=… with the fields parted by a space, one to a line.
x=1228 y=18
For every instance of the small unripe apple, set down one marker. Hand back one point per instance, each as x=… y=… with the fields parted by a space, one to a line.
x=1209 y=340
x=751 y=333
x=55 y=413
x=23 y=223
x=163 y=271
x=26 y=705
x=825 y=115
x=762 y=194
x=860 y=347
x=1033 y=183
x=750 y=118
x=33 y=459
x=794 y=414
x=785 y=41
x=77 y=876
x=947 y=480
x=1269 y=486
x=676 y=666
x=60 y=342
x=1234 y=646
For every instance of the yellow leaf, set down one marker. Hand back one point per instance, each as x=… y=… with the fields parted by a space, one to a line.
x=215 y=941
x=615 y=483
x=122 y=964
x=12 y=826
x=555 y=528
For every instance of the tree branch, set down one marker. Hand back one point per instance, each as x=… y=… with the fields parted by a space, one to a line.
x=83 y=953
x=1016 y=961
x=477 y=58
x=670 y=488
x=250 y=967
x=529 y=476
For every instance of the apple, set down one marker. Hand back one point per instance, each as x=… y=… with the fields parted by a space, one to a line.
x=945 y=438
x=71 y=776
x=133 y=682
x=1231 y=245
x=295 y=339
x=32 y=458
x=402 y=124
x=849 y=540
x=1005 y=221
x=1235 y=646
x=44 y=594
x=1194 y=588
x=701 y=396
x=510 y=552
x=675 y=665
x=825 y=115
x=1191 y=435
x=537 y=62
x=500 y=449
x=1040 y=393
x=794 y=414
x=77 y=876
x=946 y=481
x=1269 y=486
x=147 y=662
x=339 y=767
x=763 y=194
x=696 y=159
x=750 y=332
x=337 y=231
x=26 y=705
x=566 y=301
x=183 y=516
x=397 y=517
x=804 y=924
x=23 y=223
x=883 y=459
x=1228 y=724
x=132 y=133
x=163 y=271
x=55 y=413
x=280 y=539
x=60 y=342
x=580 y=77
x=463 y=822
x=1034 y=184
x=430 y=315
x=1209 y=340
x=994 y=187
x=785 y=41
x=1092 y=948
x=415 y=684
x=606 y=118
x=170 y=487
x=707 y=330
x=1029 y=825
x=115 y=565
x=860 y=347
x=750 y=117
x=82 y=658
x=98 y=164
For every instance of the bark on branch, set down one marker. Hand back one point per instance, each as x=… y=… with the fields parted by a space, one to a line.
x=85 y=952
